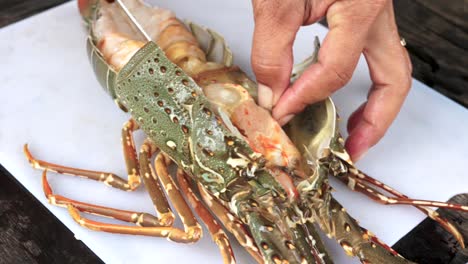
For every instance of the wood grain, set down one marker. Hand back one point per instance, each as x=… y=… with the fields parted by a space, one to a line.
x=15 y=10
x=436 y=33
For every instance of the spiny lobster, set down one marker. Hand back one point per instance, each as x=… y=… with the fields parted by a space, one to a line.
x=267 y=187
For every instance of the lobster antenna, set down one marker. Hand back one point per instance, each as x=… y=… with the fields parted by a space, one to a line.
x=133 y=19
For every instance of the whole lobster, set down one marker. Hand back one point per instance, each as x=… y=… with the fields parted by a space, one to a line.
x=268 y=188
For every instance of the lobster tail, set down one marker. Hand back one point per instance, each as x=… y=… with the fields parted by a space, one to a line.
x=105 y=74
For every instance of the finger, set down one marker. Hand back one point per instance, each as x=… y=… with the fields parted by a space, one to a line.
x=355 y=117
x=276 y=25
x=337 y=58
x=390 y=72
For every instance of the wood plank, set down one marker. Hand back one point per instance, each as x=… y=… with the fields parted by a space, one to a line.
x=436 y=33
x=430 y=243
x=29 y=233
x=15 y=10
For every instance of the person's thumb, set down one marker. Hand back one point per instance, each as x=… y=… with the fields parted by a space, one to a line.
x=276 y=25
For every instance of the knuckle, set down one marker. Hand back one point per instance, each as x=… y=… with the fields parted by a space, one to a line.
x=260 y=64
x=406 y=83
x=378 y=130
x=358 y=13
x=265 y=9
x=400 y=76
x=410 y=68
x=381 y=2
x=409 y=63
x=375 y=5
x=342 y=75
x=377 y=2
x=405 y=78
x=266 y=71
x=278 y=13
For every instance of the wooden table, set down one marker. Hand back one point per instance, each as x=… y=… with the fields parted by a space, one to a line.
x=436 y=33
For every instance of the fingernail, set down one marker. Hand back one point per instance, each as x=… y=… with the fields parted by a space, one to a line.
x=265 y=96
x=284 y=120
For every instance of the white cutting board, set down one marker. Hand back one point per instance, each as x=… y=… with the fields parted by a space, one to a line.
x=51 y=99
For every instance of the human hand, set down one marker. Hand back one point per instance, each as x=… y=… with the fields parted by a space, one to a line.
x=356 y=26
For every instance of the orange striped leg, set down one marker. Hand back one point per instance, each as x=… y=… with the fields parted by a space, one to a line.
x=231 y=223
x=191 y=232
x=401 y=198
x=189 y=235
x=131 y=160
x=166 y=217
x=217 y=233
x=192 y=229
x=139 y=218
x=152 y=184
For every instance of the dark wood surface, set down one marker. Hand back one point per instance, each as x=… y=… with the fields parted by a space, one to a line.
x=30 y=234
x=430 y=243
x=15 y=10
x=437 y=35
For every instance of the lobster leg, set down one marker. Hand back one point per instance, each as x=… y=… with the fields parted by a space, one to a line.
x=399 y=197
x=190 y=234
x=110 y=179
x=362 y=183
x=142 y=219
x=173 y=192
x=138 y=218
x=192 y=230
x=356 y=241
x=150 y=225
x=217 y=233
x=231 y=223
x=152 y=184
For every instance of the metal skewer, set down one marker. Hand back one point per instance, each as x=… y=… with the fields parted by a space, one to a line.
x=133 y=19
